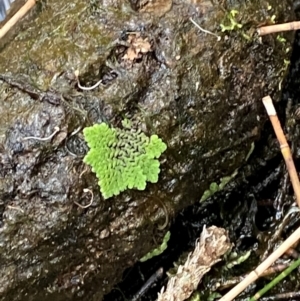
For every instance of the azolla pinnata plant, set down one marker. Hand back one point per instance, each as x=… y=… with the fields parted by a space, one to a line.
x=122 y=158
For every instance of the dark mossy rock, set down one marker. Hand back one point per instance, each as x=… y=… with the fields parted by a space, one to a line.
x=201 y=95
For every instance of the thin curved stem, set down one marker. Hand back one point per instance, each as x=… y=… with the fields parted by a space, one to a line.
x=90 y=203
x=86 y=88
x=56 y=130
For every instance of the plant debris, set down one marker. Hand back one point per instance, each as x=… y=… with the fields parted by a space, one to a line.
x=138 y=47
x=213 y=243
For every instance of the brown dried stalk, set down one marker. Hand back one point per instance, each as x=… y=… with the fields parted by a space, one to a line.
x=278 y=28
x=16 y=17
x=285 y=149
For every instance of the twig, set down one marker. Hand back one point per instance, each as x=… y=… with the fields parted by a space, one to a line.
x=278 y=27
x=254 y=275
x=287 y=295
x=156 y=276
x=16 y=17
x=276 y=280
x=285 y=149
x=226 y=284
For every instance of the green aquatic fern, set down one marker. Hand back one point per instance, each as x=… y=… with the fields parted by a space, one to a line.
x=122 y=158
x=161 y=248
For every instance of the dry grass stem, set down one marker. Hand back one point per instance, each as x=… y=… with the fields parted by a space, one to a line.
x=16 y=17
x=285 y=149
x=213 y=243
x=254 y=275
x=278 y=28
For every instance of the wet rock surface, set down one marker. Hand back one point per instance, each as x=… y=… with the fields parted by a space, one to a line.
x=200 y=95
